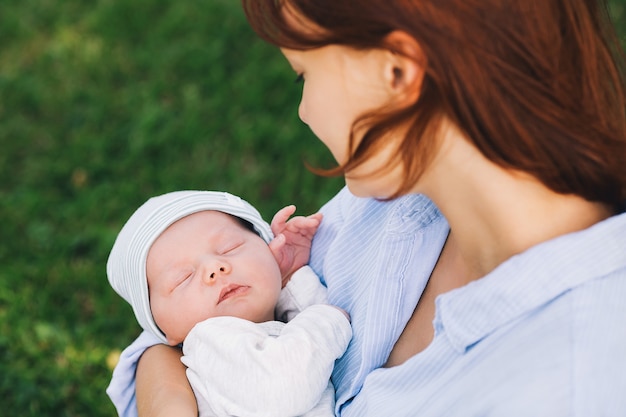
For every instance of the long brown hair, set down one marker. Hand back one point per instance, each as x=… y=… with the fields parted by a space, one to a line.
x=536 y=85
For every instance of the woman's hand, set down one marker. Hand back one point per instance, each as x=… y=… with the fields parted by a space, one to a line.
x=292 y=240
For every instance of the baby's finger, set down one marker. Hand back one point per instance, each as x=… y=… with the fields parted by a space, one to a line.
x=281 y=217
x=317 y=216
x=298 y=223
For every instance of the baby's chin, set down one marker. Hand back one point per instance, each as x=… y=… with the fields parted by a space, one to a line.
x=242 y=309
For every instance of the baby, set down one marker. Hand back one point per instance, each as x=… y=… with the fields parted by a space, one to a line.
x=198 y=269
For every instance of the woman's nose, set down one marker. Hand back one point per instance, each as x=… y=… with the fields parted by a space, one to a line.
x=302 y=112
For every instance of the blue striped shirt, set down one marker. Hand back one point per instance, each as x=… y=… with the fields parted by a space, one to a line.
x=544 y=334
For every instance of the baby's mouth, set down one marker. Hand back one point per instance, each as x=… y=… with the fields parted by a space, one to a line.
x=231 y=290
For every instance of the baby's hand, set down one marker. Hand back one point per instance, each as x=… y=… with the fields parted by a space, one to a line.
x=292 y=240
x=345 y=313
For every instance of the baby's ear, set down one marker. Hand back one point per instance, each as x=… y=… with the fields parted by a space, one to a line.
x=277 y=247
x=405 y=67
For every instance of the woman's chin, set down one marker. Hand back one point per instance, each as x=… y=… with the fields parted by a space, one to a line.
x=364 y=189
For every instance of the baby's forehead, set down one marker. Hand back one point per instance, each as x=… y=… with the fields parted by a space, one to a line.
x=198 y=228
x=215 y=221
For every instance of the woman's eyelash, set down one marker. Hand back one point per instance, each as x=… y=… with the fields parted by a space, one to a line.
x=299 y=78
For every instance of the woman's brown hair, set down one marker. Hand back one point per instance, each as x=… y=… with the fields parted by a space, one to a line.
x=536 y=85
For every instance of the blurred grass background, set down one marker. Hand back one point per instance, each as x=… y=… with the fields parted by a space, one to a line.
x=103 y=104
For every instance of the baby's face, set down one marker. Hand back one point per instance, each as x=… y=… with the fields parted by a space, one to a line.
x=207 y=265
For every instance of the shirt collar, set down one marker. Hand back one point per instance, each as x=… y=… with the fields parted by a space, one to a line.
x=530 y=280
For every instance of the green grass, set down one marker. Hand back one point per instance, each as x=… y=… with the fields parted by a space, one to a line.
x=102 y=105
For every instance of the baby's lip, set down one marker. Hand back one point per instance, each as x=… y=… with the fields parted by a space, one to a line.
x=229 y=291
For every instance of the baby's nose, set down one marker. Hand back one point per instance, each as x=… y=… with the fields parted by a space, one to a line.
x=213 y=275
x=214 y=271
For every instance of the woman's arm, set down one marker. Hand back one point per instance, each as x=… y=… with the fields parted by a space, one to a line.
x=162 y=385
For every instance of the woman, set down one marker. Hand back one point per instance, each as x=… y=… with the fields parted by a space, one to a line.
x=509 y=117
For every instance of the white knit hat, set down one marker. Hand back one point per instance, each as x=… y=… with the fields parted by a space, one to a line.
x=126 y=266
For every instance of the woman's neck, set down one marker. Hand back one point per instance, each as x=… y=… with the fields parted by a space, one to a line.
x=496 y=213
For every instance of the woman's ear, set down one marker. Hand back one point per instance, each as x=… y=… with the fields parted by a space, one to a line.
x=405 y=67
